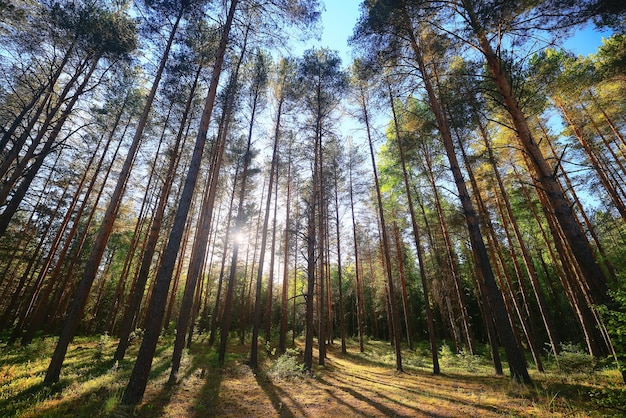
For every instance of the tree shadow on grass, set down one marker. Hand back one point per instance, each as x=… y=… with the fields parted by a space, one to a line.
x=360 y=359
x=386 y=411
x=445 y=379
x=89 y=404
x=342 y=402
x=157 y=404
x=205 y=362
x=13 y=404
x=207 y=398
x=272 y=393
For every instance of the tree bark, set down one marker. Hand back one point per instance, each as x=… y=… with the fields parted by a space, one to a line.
x=517 y=362
x=139 y=376
x=282 y=344
x=395 y=323
x=592 y=273
x=417 y=239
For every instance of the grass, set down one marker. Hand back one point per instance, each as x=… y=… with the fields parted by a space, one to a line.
x=352 y=384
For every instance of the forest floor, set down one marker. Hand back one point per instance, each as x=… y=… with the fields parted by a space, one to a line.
x=348 y=385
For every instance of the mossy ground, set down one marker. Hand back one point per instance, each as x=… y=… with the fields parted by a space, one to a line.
x=348 y=385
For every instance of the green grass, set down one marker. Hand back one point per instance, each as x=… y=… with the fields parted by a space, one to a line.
x=349 y=385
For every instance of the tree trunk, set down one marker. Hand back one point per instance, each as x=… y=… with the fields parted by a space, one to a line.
x=592 y=273
x=359 y=285
x=405 y=299
x=285 y=297
x=416 y=237
x=270 y=278
x=310 y=260
x=239 y=223
x=146 y=204
x=321 y=241
x=342 y=314
x=139 y=376
x=517 y=362
x=135 y=297
x=395 y=323
x=228 y=300
x=201 y=242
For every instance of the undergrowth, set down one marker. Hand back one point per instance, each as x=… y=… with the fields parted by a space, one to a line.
x=92 y=385
x=287 y=366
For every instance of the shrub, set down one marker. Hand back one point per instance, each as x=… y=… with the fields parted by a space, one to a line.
x=287 y=366
x=447 y=358
x=101 y=346
x=269 y=350
x=416 y=360
x=137 y=333
x=610 y=397
x=573 y=359
x=470 y=362
x=614 y=316
x=423 y=349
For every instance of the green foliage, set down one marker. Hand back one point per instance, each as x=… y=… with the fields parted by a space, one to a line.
x=287 y=366
x=447 y=358
x=269 y=349
x=39 y=348
x=98 y=30
x=469 y=362
x=463 y=359
x=614 y=316
x=137 y=333
x=573 y=359
x=421 y=357
x=611 y=56
x=610 y=397
x=102 y=345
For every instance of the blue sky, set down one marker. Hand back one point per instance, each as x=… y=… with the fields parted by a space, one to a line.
x=340 y=17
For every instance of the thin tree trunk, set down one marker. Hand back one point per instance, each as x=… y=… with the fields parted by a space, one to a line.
x=405 y=298
x=51 y=111
x=528 y=263
x=342 y=314
x=38 y=314
x=359 y=285
x=270 y=278
x=34 y=259
x=517 y=362
x=569 y=279
x=146 y=204
x=578 y=243
x=201 y=242
x=48 y=88
x=20 y=192
x=395 y=323
x=310 y=260
x=239 y=223
x=595 y=162
x=416 y=237
x=285 y=297
x=216 y=317
x=133 y=302
x=451 y=267
x=104 y=232
x=321 y=239
x=139 y=376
